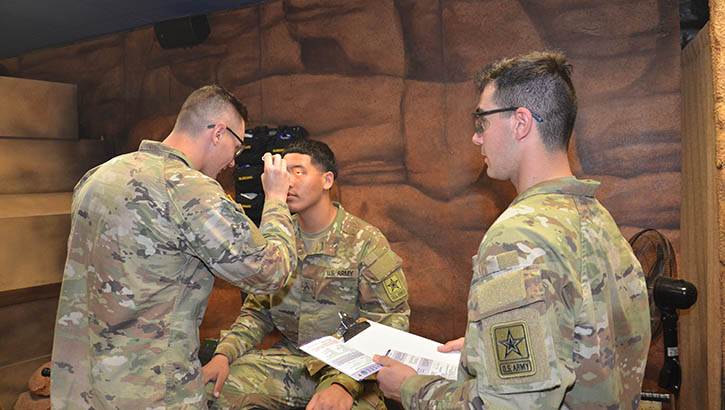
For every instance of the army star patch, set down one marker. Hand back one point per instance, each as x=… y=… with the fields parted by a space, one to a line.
x=394 y=288
x=511 y=343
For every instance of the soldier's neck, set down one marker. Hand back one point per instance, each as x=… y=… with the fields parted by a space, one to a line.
x=317 y=217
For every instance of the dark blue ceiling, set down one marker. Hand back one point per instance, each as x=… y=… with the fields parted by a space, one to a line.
x=27 y=25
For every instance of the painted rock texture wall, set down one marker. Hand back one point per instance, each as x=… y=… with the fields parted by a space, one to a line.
x=387 y=84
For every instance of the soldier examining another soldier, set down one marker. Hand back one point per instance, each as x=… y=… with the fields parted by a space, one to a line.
x=557 y=309
x=149 y=230
x=345 y=264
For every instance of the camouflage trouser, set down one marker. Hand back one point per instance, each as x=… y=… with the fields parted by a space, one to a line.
x=277 y=378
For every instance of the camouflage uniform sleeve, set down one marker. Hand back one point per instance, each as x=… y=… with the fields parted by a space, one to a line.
x=229 y=244
x=383 y=292
x=423 y=392
x=252 y=324
x=511 y=352
x=330 y=376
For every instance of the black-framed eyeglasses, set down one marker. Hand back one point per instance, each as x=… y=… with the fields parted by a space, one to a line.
x=479 y=118
x=241 y=141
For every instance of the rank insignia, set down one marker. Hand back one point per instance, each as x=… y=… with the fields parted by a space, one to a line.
x=307 y=286
x=394 y=288
x=512 y=347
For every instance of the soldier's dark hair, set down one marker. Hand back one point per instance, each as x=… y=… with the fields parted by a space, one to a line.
x=206 y=104
x=320 y=153
x=541 y=82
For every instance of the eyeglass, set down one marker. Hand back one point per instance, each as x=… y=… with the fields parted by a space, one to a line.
x=480 y=123
x=239 y=151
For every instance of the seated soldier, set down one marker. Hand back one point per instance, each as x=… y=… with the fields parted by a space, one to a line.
x=344 y=264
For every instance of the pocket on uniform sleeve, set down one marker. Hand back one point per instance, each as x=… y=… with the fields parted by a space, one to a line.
x=510 y=319
x=382 y=270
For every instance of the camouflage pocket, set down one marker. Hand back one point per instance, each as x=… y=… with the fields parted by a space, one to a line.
x=508 y=315
x=387 y=279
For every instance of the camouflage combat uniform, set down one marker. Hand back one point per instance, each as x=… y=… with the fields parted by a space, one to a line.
x=351 y=269
x=147 y=233
x=557 y=311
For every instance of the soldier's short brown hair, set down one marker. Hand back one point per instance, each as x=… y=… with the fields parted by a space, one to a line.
x=541 y=82
x=206 y=103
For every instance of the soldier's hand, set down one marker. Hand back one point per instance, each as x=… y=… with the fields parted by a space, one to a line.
x=334 y=397
x=392 y=375
x=452 y=345
x=275 y=179
x=217 y=369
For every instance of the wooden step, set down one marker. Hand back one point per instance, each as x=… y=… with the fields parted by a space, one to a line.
x=38 y=109
x=20 y=205
x=33 y=250
x=33 y=166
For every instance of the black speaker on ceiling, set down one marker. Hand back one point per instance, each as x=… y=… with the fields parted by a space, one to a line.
x=182 y=32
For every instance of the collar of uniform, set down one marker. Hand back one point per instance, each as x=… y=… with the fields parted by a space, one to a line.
x=565 y=185
x=158 y=148
x=327 y=245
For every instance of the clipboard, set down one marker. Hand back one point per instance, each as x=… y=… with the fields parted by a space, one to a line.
x=351 y=349
x=349 y=327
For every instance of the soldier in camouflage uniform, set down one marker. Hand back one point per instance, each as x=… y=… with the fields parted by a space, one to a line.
x=557 y=309
x=345 y=264
x=148 y=231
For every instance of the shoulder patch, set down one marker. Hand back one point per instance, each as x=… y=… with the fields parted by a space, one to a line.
x=512 y=345
x=395 y=287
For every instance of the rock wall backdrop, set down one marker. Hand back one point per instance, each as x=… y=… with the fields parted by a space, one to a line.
x=387 y=84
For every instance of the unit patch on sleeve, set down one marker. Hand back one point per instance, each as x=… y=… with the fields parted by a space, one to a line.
x=512 y=347
x=394 y=287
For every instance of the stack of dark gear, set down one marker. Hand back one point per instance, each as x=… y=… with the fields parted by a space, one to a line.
x=249 y=167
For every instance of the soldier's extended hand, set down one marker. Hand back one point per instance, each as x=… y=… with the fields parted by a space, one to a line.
x=391 y=377
x=217 y=369
x=334 y=397
x=275 y=179
x=452 y=345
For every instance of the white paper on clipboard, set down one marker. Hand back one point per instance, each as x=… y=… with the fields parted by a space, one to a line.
x=354 y=357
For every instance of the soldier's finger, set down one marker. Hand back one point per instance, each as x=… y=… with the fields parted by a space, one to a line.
x=283 y=164
x=384 y=360
x=218 y=386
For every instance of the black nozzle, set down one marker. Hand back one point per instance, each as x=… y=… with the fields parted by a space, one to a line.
x=672 y=293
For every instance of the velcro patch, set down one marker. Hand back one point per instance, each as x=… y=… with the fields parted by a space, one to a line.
x=394 y=287
x=507 y=291
x=512 y=345
x=384 y=265
x=502 y=261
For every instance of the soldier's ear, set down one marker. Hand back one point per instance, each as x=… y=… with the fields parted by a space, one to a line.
x=328 y=179
x=523 y=123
